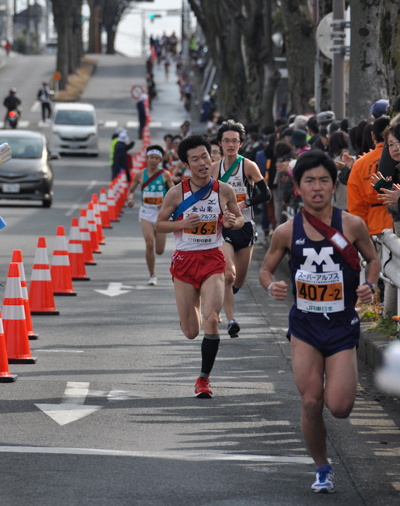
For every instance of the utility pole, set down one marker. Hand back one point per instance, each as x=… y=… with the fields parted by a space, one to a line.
x=338 y=36
x=144 y=37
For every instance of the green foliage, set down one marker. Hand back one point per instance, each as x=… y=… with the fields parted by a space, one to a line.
x=385 y=326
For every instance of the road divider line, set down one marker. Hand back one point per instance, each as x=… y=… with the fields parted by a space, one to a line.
x=195 y=456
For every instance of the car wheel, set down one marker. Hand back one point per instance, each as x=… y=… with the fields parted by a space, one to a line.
x=47 y=203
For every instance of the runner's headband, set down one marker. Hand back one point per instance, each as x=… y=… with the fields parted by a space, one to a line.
x=154 y=152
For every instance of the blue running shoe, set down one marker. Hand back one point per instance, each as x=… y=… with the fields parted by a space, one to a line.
x=235 y=290
x=233 y=328
x=324 y=482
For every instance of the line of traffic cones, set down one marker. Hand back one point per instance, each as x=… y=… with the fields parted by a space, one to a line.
x=86 y=235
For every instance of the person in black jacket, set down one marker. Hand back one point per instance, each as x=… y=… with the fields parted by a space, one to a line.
x=120 y=160
x=11 y=103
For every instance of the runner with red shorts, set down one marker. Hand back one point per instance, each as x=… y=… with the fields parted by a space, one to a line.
x=196 y=206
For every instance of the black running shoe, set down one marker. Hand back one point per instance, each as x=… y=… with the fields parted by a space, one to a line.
x=233 y=328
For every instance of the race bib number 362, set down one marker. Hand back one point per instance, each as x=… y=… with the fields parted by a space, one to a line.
x=205 y=233
x=320 y=292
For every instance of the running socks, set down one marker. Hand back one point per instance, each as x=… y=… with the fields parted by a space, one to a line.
x=209 y=350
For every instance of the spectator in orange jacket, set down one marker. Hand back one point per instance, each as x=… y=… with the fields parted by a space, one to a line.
x=362 y=199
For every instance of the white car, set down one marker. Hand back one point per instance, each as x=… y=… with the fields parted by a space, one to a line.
x=74 y=128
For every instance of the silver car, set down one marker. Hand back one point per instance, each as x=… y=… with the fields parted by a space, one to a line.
x=74 y=129
x=29 y=174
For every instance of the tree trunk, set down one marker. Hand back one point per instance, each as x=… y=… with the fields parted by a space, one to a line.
x=389 y=41
x=224 y=42
x=110 y=30
x=367 y=72
x=300 y=53
x=62 y=13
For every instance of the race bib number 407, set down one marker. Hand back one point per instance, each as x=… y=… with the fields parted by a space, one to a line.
x=205 y=233
x=320 y=292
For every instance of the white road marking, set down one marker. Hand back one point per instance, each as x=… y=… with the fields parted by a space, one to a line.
x=71 y=406
x=115 y=289
x=72 y=210
x=36 y=106
x=176 y=124
x=61 y=351
x=155 y=124
x=132 y=124
x=44 y=124
x=91 y=185
x=111 y=124
x=195 y=456
x=24 y=123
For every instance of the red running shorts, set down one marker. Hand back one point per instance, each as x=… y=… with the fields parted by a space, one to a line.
x=194 y=267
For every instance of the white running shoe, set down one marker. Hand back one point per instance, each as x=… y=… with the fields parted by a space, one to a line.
x=153 y=280
x=324 y=482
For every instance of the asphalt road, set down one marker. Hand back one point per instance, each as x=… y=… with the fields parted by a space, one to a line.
x=107 y=415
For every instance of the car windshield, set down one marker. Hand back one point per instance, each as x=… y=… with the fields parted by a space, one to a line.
x=23 y=147
x=81 y=118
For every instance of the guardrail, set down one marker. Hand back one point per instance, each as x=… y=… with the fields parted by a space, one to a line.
x=389 y=253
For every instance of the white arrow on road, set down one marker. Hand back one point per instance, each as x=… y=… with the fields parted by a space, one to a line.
x=115 y=289
x=71 y=407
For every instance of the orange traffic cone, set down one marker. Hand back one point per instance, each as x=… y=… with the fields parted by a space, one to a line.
x=17 y=257
x=5 y=376
x=94 y=238
x=41 y=299
x=15 y=331
x=75 y=253
x=85 y=238
x=97 y=217
x=60 y=271
x=105 y=217
x=112 y=209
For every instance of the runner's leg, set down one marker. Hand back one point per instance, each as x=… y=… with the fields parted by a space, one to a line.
x=308 y=370
x=148 y=234
x=188 y=304
x=230 y=275
x=160 y=240
x=242 y=259
x=212 y=295
x=341 y=382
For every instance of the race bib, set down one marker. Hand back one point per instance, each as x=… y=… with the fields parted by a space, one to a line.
x=241 y=194
x=320 y=292
x=153 y=199
x=205 y=233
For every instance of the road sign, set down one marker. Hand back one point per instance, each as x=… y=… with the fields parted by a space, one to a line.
x=136 y=91
x=57 y=76
x=324 y=35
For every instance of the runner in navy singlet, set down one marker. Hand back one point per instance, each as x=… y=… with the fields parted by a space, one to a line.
x=323 y=324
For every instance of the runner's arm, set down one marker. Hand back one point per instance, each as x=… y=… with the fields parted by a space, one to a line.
x=253 y=174
x=132 y=188
x=277 y=250
x=172 y=199
x=365 y=246
x=232 y=217
x=168 y=180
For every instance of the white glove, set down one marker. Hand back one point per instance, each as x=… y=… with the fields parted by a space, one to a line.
x=5 y=153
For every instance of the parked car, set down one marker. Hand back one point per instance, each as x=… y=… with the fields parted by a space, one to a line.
x=74 y=129
x=29 y=174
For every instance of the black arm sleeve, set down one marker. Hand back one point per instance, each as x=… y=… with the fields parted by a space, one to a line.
x=263 y=196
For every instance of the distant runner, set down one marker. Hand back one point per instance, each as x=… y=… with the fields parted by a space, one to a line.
x=154 y=183
x=243 y=175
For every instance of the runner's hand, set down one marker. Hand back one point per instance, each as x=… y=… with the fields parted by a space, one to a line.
x=365 y=294
x=228 y=219
x=278 y=290
x=192 y=221
x=131 y=203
